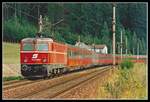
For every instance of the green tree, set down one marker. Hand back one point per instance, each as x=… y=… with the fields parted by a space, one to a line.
x=105 y=36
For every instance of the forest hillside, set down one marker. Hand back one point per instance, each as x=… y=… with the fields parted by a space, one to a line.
x=65 y=22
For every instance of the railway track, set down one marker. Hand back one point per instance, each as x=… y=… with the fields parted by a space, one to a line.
x=17 y=83
x=54 y=87
x=54 y=91
x=11 y=82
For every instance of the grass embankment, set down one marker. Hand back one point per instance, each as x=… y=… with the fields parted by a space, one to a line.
x=11 y=53
x=11 y=61
x=125 y=83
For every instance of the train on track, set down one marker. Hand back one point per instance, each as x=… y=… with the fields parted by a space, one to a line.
x=43 y=57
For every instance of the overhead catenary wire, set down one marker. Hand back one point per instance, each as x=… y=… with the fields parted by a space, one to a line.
x=22 y=12
x=54 y=24
x=58 y=22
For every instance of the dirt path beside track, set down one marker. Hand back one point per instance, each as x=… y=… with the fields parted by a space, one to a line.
x=11 y=70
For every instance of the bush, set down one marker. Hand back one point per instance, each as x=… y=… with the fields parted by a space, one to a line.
x=16 y=29
x=127 y=83
x=127 y=64
x=12 y=78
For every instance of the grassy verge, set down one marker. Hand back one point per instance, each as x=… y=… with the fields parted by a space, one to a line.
x=12 y=78
x=11 y=53
x=125 y=83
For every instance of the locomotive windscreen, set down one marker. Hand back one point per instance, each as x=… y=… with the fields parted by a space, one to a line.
x=38 y=47
x=42 y=47
x=28 y=47
x=36 y=44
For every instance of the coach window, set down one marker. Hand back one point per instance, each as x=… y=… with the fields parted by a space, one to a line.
x=69 y=53
x=28 y=47
x=42 y=47
x=74 y=54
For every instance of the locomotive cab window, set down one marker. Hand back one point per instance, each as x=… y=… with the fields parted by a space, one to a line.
x=28 y=47
x=42 y=47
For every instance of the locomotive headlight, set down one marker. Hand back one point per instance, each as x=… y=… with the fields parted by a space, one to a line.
x=24 y=67
x=25 y=60
x=44 y=60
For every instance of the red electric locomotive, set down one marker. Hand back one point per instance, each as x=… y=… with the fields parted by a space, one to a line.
x=43 y=57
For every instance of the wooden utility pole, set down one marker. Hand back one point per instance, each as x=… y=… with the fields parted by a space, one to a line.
x=40 y=24
x=79 y=38
x=121 y=45
x=113 y=30
x=38 y=10
x=15 y=12
x=118 y=47
x=138 y=51
x=126 y=45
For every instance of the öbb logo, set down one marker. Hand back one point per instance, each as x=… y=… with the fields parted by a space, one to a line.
x=34 y=55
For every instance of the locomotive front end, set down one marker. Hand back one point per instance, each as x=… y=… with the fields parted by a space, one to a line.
x=34 y=56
